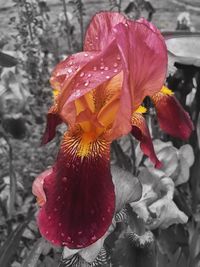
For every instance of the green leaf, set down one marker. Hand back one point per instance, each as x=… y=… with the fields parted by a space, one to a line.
x=7 y=60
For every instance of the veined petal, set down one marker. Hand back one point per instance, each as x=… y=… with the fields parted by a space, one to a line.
x=172 y=118
x=145 y=56
x=100 y=30
x=68 y=67
x=80 y=193
x=141 y=132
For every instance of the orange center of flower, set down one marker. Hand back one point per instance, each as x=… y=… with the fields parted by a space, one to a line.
x=95 y=114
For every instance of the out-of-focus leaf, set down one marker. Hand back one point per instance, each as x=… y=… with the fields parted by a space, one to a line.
x=15 y=124
x=126 y=254
x=184 y=48
x=156 y=207
x=127 y=187
x=7 y=60
x=186 y=152
x=12 y=243
x=35 y=253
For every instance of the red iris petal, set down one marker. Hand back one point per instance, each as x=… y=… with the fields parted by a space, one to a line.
x=80 y=199
x=172 y=118
x=53 y=120
x=99 y=32
x=145 y=56
x=141 y=132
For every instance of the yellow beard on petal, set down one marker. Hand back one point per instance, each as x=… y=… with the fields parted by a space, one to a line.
x=141 y=110
x=82 y=144
x=166 y=91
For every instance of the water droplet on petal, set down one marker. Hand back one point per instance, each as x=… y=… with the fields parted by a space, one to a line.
x=94 y=68
x=80 y=232
x=86 y=55
x=86 y=83
x=82 y=74
x=109 y=209
x=71 y=63
x=49 y=217
x=69 y=239
x=47 y=232
x=115 y=65
x=64 y=179
x=89 y=75
x=62 y=234
x=106 y=68
x=69 y=70
x=60 y=224
x=107 y=77
x=115 y=70
x=59 y=197
x=102 y=68
x=102 y=72
x=118 y=57
x=93 y=238
x=103 y=219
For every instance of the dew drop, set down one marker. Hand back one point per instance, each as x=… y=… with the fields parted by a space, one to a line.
x=69 y=239
x=115 y=65
x=62 y=234
x=115 y=70
x=86 y=55
x=94 y=68
x=64 y=179
x=59 y=197
x=47 y=232
x=80 y=232
x=82 y=74
x=86 y=83
x=106 y=68
x=96 y=37
x=102 y=72
x=102 y=68
x=89 y=75
x=55 y=209
x=118 y=57
x=69 y=70
x=109 y=209
x=60 y=224
x=107 y=77
x=103 y=219
x=93 y=238
x=49 y=217
x=71 y=63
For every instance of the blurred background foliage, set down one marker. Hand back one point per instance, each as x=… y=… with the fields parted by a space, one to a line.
x=35 y=35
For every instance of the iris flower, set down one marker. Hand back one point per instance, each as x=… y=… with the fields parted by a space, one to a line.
x=98 y=93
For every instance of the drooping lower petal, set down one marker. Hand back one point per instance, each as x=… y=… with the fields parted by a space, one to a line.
x=172 y=118
x=80 y=193
x=53 y=120
x=141 y=132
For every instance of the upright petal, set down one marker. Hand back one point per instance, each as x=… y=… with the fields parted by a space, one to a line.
x=172 y=118
x=141 y=132
x=145 y=55
x=80 y=193
x=100 y=30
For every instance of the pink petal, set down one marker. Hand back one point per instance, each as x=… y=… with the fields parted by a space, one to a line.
x=172 y=118
x=145 y=57
x=100 y=30
x=37 y=188
x=141 y=132
x=80 y=198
